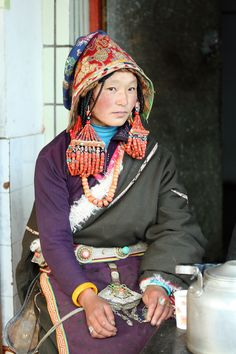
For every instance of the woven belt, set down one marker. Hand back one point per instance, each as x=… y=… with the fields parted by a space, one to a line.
x=89 y=254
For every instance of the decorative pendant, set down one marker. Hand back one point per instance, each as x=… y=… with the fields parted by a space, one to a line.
x=137 y=140
x=85 y=155
x=104 y=202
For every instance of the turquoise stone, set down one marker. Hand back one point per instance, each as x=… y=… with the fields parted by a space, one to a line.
x=125 y=250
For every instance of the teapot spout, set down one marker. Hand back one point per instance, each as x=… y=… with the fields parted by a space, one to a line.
x=194 y=272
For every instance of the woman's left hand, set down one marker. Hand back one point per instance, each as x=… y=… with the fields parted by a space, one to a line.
x=158 y=304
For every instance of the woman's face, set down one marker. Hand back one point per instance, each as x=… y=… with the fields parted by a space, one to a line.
x=116 y=101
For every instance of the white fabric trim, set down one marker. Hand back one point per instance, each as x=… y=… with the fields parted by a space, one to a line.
x=32 y=231
x=182 y=195
x=82 y=209
x=151 y=281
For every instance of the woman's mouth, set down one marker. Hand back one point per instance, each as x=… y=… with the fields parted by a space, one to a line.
x=120 y=113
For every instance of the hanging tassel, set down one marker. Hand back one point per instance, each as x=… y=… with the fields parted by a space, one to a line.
x=137 y=140
x=76 y=128
x=86 y=152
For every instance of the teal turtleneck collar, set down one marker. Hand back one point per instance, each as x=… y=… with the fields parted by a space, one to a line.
x=105 y=133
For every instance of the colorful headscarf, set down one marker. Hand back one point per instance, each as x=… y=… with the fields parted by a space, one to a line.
x=92 y=57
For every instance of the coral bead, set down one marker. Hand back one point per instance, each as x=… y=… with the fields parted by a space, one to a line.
x=105 y=203
x=109 y=199
x=100 y=204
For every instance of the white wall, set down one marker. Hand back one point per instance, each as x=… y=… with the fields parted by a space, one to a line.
x=20 y=132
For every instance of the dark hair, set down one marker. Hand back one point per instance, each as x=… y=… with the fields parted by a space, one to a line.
x=86 y=101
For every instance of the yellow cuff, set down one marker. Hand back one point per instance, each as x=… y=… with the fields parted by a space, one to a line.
x=80 y=289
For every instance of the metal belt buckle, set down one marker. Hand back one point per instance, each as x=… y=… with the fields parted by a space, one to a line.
x=122 y=252
x=84 y=254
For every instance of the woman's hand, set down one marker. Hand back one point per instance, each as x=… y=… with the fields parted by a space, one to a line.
x=159 y=307
x=99 y=315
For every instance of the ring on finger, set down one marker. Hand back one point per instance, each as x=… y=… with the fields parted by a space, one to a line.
x=163 y=300
x=91 y=329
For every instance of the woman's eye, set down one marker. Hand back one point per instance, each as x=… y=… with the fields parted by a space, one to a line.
x=113 y=89
x=132 y=88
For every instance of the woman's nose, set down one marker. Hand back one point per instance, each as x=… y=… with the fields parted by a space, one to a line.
x=122 y=99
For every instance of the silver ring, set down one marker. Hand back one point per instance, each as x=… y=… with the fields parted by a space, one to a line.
x=90 y=329
x=163 y=300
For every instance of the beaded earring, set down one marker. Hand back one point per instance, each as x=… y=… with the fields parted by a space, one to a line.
x=86 y=152
x=137 y=140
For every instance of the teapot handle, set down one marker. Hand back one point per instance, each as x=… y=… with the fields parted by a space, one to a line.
x=194 y=271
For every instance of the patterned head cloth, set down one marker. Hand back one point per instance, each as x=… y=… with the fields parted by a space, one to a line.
x=93 y=57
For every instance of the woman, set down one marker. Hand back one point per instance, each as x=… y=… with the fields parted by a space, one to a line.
x=111 y=214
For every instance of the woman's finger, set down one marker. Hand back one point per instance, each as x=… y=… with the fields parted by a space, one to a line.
x=102 y=327
x=164 y=316
x=166 y=313
x=171 y=311
x=161 y=310
x=159 y=314
x=106 y=318
x=93 y=333
x=110 y=315
x=151 y=311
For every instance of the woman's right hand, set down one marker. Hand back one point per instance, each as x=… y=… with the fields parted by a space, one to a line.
x=99 y=315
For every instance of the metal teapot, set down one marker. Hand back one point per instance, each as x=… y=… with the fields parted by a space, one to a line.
x=211 y=309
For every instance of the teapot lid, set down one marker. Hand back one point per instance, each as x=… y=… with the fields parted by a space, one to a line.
x=226 y=271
